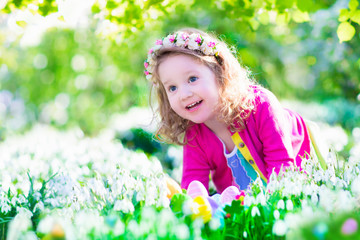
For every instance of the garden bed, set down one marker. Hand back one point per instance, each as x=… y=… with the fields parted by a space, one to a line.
x=62 y=185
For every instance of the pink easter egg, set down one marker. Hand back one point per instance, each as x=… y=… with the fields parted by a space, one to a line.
x=229 y=194
x=196 y=188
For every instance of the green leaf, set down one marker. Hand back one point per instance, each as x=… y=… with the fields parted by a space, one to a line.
x=282 y=5
x=353 y=4
x=356 y=17
x=150 y=3
x=344 y=15
x=111 y=5
x=305 y=5
x=21 y=23
x=235 y=208
x=282 y=18
x=95 y=9
x=177 y=201
x=345 y=31
x=264 y=18
x=299 y=16
x=254 y=24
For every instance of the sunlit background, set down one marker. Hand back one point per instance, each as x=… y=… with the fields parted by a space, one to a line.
x=76 y=129
x=77 y=66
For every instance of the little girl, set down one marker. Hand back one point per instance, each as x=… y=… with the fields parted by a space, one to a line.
x=229 y=127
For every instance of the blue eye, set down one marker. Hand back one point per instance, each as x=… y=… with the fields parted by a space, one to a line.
x=172 y=88
x=192 y=79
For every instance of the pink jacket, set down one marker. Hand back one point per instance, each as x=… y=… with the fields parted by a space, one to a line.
x=274 y=136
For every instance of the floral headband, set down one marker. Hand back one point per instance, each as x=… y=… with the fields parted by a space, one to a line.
x=193 y=41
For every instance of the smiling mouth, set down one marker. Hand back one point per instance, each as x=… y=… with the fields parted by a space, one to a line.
x=193 y=105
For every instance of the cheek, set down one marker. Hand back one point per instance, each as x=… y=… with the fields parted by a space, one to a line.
x=172 y=102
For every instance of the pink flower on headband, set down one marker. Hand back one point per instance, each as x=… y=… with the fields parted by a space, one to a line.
x=185 y=36
x=193 y=41
x=198 y=39
x=172 y=38
x=211 y=44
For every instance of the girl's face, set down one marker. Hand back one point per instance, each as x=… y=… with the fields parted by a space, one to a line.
x=191 y=88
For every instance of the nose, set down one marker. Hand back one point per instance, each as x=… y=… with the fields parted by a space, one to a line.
x=186 y=92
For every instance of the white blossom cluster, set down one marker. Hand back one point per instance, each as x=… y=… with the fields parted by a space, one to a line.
x=45 y=170
x=88 y=224
x=335 y=189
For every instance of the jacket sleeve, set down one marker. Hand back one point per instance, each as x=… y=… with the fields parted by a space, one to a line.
x=275 y=132
x=195 y=163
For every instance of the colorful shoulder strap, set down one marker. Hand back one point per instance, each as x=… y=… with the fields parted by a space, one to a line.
x=239 y=143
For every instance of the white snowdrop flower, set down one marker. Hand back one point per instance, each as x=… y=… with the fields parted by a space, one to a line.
x=260 y=198
x=276 y=214
x=133 y=227
x=314 y=198
x=124 y=205
x=148 y=214
x=308 y=169
x=344 y=201
x=24 y=211
x=255 y=211
x=355 y=186
x=140 y=191
x=292 y=220
x=280 y=204
x=187 y=207
x=144 y=227
x=347 y=174
x=249 y=200
x=292 y=188
x=39 y=206
x=119 y=228
x=326 y=199
x=166 y=220
x=340 y=184
x=5 y=208
x=163 y=201
x=182 y=231
x=214 y=223
x=280 y=228
x=307 y=189
x=45 y=225
x=289 y=205
x=318 y=175
x=19 y=226
x=37 y=196
x=307 y=211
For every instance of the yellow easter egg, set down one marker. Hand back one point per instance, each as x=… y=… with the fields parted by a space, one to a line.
x=172 y=187
x=58 y=231
x=201 y=208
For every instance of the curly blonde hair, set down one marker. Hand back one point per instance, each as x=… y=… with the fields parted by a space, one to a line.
x=236 y=100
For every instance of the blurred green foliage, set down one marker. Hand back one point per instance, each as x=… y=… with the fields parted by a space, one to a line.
x=81 y=76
